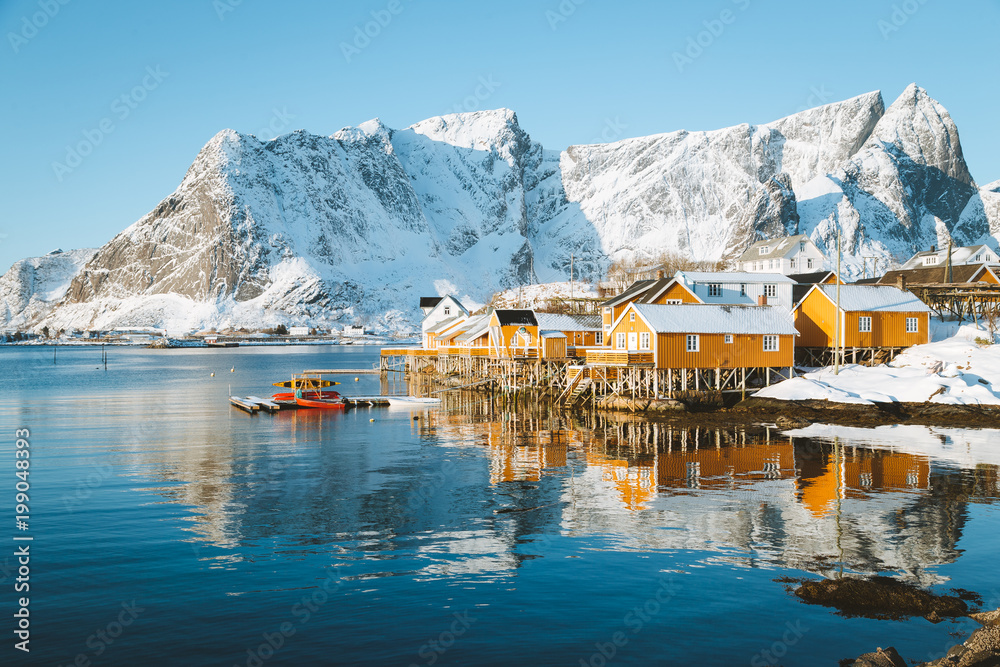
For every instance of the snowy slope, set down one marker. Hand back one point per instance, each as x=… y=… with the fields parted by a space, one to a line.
x=32 y=286
x=307 y=229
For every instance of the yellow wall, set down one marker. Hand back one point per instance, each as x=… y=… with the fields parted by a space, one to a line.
x=675 y=292
x=626 y=326
x=746 y=351
x=815 y=320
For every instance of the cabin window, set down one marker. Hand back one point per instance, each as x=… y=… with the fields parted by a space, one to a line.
x=729 y=338
x=743 y=289
x=714 y=289
x=692 y=342
x=447 y=310
x=802 y=246
x=620 y=341
x=770 y=343
x=912 y=325
x=674 y=302
x=865 y=324
x=977 y=257
x=644 y=340
x=764 y=250
x=631 y=317
x=607 y=309
x=598 y=338
x=930 y=260
x=791 y=263
x=770 y=290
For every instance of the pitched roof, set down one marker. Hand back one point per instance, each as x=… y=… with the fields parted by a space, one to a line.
x=444 y=325
x=474 y=328
x=639 y=287
x=733 y=277
x=705 y=319
x=776 y=248
x=657 y=289
x=960 y=273
x=811 y=278
x=874 y=298
x=560 y=322
x=430 y=301
x=516 y=317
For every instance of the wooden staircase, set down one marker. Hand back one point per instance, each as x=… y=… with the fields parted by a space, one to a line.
x=578 y=390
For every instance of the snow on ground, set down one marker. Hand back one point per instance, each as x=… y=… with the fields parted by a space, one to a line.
x=954 y=369
x=535 y=296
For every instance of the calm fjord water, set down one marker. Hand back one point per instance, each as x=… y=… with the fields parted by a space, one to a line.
x=170 y=528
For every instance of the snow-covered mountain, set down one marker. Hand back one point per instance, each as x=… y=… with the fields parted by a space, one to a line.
x=31 y=286
x=356 y=226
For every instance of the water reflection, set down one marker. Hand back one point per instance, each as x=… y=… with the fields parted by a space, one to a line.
x=474 y=490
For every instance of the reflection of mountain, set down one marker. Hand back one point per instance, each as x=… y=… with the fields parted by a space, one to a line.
x=469 y=492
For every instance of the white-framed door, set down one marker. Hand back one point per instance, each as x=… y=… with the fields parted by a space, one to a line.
x=633 y=340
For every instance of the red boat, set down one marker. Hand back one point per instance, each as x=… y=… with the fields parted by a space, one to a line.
x=314 y=399
x=290 y=395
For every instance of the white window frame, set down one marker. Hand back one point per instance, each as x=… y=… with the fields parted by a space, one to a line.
x=598 y=338
x=715 y=290
x=865 y=324
x=447 y=310
x=764 y=250
x=743 y=289
x=770 y=290
x=674 y=302
x=693 y=343
x=912 y=325
x=631 y=316
x=620 y=340
x=930 y=260
x=729 y=339
x=809 y=262
x=770 y=342
x=644 y=340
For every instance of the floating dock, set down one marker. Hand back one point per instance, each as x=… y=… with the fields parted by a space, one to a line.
x=344 y=371
x=244 y=404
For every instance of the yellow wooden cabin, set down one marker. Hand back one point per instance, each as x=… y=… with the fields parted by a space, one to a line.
x=662 y=291
x=513 y=333
x=705 y=336
x=870 y=316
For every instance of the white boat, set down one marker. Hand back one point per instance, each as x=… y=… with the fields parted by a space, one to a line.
x=412 y=401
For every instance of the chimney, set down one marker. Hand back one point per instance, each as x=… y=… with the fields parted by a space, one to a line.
x=761 y=300
x=933 y=248
x=901 y=282
x=659 y=274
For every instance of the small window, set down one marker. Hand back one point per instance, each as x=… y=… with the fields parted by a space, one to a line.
x=620 y=341
x=692 y=342
x=674 y=302
x=978 y=258
x=791 y=263
x=743 y=289
x=770 y=290
x=809 y=263
x=631 y=316
x=447 y=310
x=865 y=324
x=643 y=340
x=764 y=250
x=714 y=289
x=729 y=338
x=770 y=343
x=930 y=260
x=598 y=338
x=802 y=246
x=912 y=325
x=607 y=309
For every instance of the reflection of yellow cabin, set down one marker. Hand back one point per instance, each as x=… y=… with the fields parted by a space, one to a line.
x=861 y=471
x=635 y=482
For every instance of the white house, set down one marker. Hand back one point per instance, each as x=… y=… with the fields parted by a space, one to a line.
x=298 y=331
x=788 y=255
x=973 y=254
x=354 y=330
x=739 y=288
x=446 y=308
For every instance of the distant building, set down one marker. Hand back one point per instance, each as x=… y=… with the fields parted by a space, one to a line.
x=436 y=313
x=740 y=289
x=298 y=331
x=791 y=254
x=354 y=330
x=974 y=254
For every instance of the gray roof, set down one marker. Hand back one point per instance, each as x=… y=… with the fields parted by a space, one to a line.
x=476 y=327
x=732 y=277
x=444 y=325
x=880 y=298
x=707 y=319
x=776 y=247
x=516 y=316
x=639 y=287
x=549 y=333
x=560 y=322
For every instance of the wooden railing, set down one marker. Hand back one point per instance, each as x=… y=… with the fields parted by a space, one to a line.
x=618 y=357
x=402 y=351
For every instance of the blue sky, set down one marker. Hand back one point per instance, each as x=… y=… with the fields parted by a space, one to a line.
x=142 y=86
